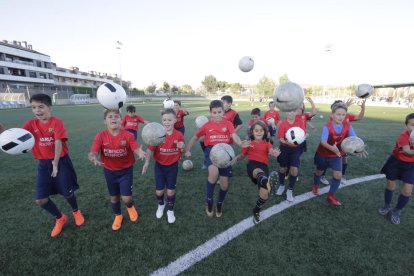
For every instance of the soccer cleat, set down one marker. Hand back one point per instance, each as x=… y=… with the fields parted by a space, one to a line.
x=395 y=216
x=280 y=190
x=332 y=199
x=116 y=225
x=256 y=217
x=343 y=180
x=209 y=214
x=219 y=212
x=170 y=216
x=324 y=181
x=79 y=218
x=271 y=182
x=160 y=211
x=59 y=225
x=315 y=190
x=384 y=210
x=289 y=196
x=133 y=214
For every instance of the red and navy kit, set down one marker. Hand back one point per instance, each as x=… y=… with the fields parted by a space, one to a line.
x=348 y=118
x=45 y=135
x=403 y=140
x=333 y=138
x=258 y=151
x=232 y=116
x=132 y=122
x=272 y=114
x=167 y=153
x=285 y=126
x=305 y=117
x=180 y=118
x=117 y=152
x=251 y=121
x=216 y=132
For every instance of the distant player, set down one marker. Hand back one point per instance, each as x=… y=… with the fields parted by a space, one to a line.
x=116 y=148
x=55 y=172
x=166 y=158
x=231 y=114
x=255 y=116
x=216 y=131
x=306 y=117
x=131 y=121
x=275 y=115
x=399 y=166
x=180 y=114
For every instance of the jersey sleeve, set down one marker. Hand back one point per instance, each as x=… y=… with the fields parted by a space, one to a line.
x=97 y=143
x=351 y=131
x=28 y=126
x=60 y=131
x=201 y=131
x=281 y=131
x=352 y=118
x=325 y=134
x=403 y=140
x=140 y=119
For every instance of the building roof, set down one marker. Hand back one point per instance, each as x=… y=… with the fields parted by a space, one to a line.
x=11 y=45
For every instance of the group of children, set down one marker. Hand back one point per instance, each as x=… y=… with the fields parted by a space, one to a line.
x=116 y=147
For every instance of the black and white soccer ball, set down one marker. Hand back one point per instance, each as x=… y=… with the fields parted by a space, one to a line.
x=353 y=145
x=201 y=120
x=187 y=165
x=364 y=90
x=288 y=96
x=153 y=134
x=111 y=95
x=221 y=155
x=295 y=135
x=16 y=141
x=246 y=64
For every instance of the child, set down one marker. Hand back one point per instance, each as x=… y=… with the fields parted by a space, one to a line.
x=306 y=117
x=216 y=131
x=329 y=152
x=116 y=148
x=180 y=114
x=231 y=114
x=255 y=116
x=131 y=121
x=289 y=155
x=272 y=114
x=257 y=166
x=55 y=172
x=166 y=158
x=400 y=165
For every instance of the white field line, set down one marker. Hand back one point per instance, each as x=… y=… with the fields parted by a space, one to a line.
x=194 y=256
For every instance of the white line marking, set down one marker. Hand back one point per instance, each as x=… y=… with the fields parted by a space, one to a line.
x=194 y=256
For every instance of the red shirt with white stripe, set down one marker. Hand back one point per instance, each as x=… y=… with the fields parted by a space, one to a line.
x=167 y=153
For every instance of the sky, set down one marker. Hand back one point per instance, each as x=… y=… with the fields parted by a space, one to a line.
x=182 y=41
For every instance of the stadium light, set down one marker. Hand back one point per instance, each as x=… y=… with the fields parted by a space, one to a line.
x=119 y=48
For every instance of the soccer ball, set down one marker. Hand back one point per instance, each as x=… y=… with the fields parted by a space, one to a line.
x=16 y=141
x=187 y=165
x=352 y=145
x=271 y=120
x=412 y=137
x=168 y=104
x=201 y=120
x=153 y=134
x=295 y=135
x=111 y=95
x=246 y=64
x=364 y=90
x=288 y=96
x=221 y=155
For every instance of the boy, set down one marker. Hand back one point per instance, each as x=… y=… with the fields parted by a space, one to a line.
x=255 y=116
x=216 y=131
x=272 y=114
x=400 y=165
x=180 y=114
x=231 y=114
x=166 y=158
x=131 y=121
x=306 y=117
x=55 y=172
x=116 y=148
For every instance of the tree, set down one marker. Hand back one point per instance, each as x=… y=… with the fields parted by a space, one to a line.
x=185 y=89
x=166 y=87
x=174 y=90
x=222 y=85
x=151 y=88
x=265 y=86
x=210 y=83
x=236 y=87
x=283 y=78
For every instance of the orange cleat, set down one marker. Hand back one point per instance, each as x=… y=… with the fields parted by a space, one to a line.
x=315 y=190
x=332 y=199
x=133 y=214
x=59 y=225
x=79 y=218
x=116 y=225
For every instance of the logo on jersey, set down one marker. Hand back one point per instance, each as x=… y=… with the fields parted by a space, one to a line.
x=50 y=130
x=224 y=129
x=123 y=143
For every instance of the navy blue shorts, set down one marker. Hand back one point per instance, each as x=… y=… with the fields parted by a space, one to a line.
x=272 y=131
x=289 y=156
x=395 y=169
x=304 y=146
x=252 y=165
x=119 y=182
x=322 y=163
x=65 y=183
x=134 y=132
x=165 y=176
x=181 y=129
x=228 y=171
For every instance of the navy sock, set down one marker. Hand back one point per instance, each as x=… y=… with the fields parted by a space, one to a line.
x=334 y=185
x=203 y=147
x=259 y=203
x=281 y=178
x=51 y=208
x=171 y=202
x=292 y=181
x=262 y=179
x=160 y=199
x=129 y=204
x=116 y=207
x=344 y=166
x=210 y=195
x=316 y=180
x=221 y=196
x=388 y=197
x=73 y=202
x=402 y=201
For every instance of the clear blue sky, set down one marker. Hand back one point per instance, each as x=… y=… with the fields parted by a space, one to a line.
x=183 y=41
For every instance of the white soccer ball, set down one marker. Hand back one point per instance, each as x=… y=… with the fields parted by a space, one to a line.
x=201 y=120
x=352 y=145
x=412 y=137
x=153 y=134
x=187 y=165
x=221 y=155
x=364 y=90
x=111 y=95
x=288 y=96
x=295 y=135
x=168 y=104
x=16 y=141
x=246 y=64
x=271 y=120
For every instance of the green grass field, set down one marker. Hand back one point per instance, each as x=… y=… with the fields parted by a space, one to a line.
x=310 y=238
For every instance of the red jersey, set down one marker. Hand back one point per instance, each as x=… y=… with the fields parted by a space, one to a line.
x=216 y=132
x=132 y=122
x=117 y=152
x=285 y=126
x=272 y=114
x=348 y=118
x=333 y=138
x=180 y=118
x=258 y=151
x=230 y=115
x=45 y=135
x=403 y=140
x=167 y=153
x=305 y=117
x=251 y=121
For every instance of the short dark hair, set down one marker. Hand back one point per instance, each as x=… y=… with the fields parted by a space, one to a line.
x=177 y=102
x=255 y=111
x=215 y=104
x=42 y=98
x=116 y=111
x=265 y=128
x=409 y=117
x=131 y=108
x=338 y=105
x=271 y=102
x=335 y=102
x=227 y=98
x=168 y=111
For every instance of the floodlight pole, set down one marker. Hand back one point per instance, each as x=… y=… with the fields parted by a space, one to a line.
x=119 y=48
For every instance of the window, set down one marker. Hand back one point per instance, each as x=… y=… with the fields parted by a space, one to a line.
x=42 y=75
x=32 y=74
x=2 y=71
x=39 y=63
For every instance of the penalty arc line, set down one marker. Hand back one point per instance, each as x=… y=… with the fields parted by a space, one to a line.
x=199 y=253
